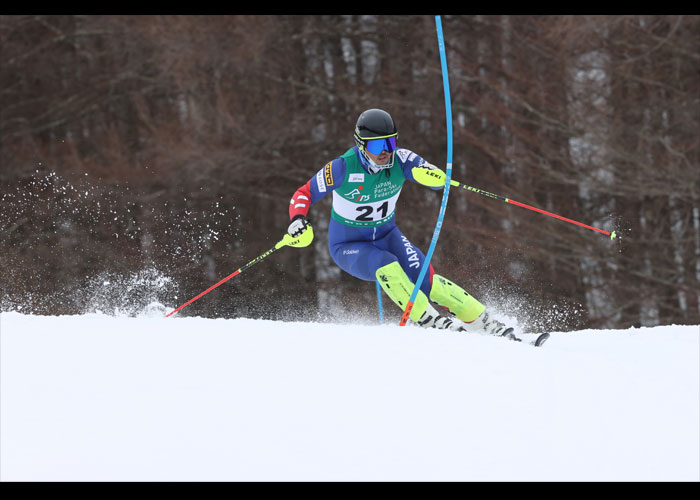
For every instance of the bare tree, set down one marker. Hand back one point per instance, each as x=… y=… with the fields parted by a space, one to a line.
x=174 y=143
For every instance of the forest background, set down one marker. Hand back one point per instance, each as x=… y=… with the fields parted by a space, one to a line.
x=147 y=157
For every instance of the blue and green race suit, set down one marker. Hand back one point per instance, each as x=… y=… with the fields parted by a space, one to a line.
x=362 y=233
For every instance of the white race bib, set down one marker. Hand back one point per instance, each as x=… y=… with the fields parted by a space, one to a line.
x=361 y=213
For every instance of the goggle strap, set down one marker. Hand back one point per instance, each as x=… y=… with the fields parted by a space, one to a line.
x=373 y=138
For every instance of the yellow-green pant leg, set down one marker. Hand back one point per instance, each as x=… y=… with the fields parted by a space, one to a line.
x=398 y=287
x=453 y=297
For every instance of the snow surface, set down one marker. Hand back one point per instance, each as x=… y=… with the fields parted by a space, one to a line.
x=106 y=398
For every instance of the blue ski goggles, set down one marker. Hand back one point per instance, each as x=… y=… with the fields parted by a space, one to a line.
x=376 y=146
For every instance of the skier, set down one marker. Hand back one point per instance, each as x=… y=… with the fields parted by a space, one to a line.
x=363 y=237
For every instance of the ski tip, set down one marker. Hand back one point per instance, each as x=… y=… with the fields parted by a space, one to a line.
x=541 y=339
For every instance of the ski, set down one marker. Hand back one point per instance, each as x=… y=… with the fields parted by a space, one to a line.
x=541 y=339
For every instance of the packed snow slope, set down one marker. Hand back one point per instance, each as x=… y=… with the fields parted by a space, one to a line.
x=104 y=398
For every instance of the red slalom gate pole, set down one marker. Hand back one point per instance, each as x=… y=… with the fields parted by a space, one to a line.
x=523 y=205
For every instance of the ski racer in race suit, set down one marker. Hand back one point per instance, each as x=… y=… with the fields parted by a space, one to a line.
x=363 y=237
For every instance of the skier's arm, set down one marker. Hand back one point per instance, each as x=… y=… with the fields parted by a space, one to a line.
x=330 y=177
x=301 y=202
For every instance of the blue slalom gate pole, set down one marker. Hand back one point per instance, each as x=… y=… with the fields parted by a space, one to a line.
x=448 y=171
x=379 y=302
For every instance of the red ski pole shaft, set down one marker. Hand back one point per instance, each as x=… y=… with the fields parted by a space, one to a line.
x=523 y=205
x=286 y=241
x=238 y=271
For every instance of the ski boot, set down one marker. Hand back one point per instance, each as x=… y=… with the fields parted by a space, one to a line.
x=432 y=319
x=491 y=326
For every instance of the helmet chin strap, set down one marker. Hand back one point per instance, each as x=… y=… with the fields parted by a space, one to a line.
x=373 y=167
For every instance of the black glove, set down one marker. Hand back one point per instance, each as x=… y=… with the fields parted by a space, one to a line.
x=298 y=226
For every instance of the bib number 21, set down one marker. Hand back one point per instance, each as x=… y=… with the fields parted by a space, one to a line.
x=368 y=213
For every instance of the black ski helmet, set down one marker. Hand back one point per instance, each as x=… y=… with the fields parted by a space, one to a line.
x=374 y=123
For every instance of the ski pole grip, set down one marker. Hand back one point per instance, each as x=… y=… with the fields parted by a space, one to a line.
x=303 y=240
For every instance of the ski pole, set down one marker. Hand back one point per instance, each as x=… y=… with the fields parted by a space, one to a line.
x=288 y=240
x=517 y=203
